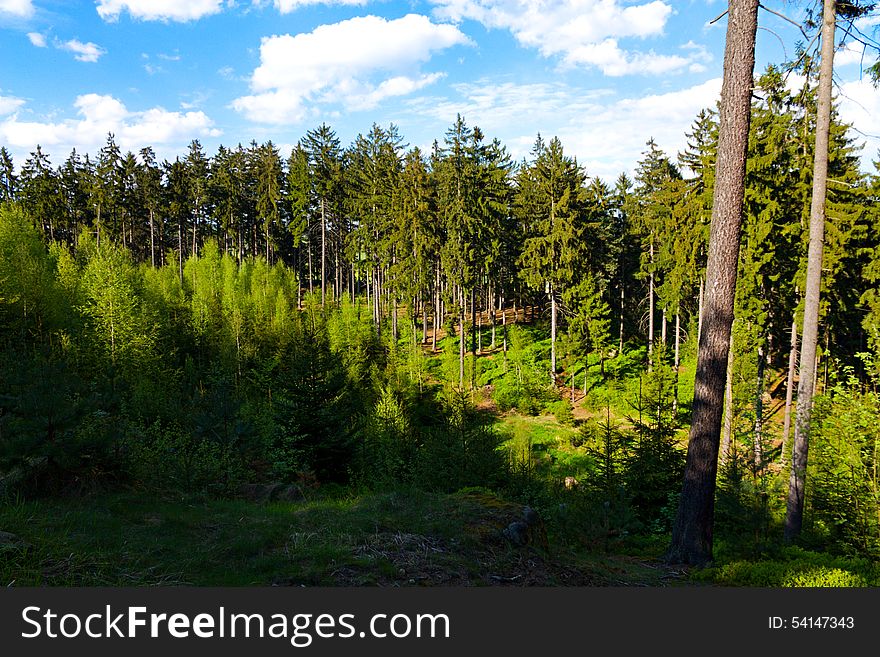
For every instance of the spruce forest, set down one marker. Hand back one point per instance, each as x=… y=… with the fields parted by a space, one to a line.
x=371 y=364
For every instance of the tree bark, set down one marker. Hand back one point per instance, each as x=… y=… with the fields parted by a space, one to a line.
x=794 y=510
x=552 y=334
x=323 y=254
x=651 y=308
x=759 y=411
x=694 y=523
x=677 y=362
x=728 y=406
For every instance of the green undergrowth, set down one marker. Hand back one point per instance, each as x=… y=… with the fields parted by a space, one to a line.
x=794 y=567
x=404 y=538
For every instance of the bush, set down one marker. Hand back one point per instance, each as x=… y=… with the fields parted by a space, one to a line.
x=795 y=568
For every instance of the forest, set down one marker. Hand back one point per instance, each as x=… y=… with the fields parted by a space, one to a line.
x=322 y=366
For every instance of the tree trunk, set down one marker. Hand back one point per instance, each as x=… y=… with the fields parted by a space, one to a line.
x=323 y=255
x=794 y=510
x=759 y=411
x=622 y=300
x=663 y=329
x=552 y=334
x=461 y=338
x=692 y=531
x=700 y=312
x=789 y=393
x=152 y=241
x=677 y=362
x=728 y=406
x=651 y=308
x=436 y=323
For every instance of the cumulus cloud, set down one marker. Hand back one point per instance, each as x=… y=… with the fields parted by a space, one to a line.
x=578 y=32
x=8 y=105
x=37 y=39
x=859 y=105
x=287 y=6
x=18 y=8
x=82 y=52
x=159 y=10
x=355 y=63
x=98 y=115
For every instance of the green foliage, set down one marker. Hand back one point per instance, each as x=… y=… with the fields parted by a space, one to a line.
x=796 y=568
x=525 y=385
x=842 y=479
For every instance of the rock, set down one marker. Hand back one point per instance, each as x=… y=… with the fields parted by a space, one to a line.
x=531 y=516
x=517 y=533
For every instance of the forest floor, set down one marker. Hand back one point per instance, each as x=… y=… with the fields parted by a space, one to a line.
x=393 y=539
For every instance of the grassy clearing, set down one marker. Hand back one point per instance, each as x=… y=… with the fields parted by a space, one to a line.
x=403 y=538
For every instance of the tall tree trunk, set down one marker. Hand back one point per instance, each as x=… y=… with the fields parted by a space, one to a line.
x=492 y=300
x=651 y=307
x=663 y=329
x=789 y=393
x=461 y=338
x=694 y=523
x=552 y=334
x=311 y=269
x=677 y=362
x=323 y=254
x=794 y=510
x=180 y=251
x=152 y=241
x=435 y=326
x=700 y=298
x=622 y=301
x=473 y=338
x=759 y=411
x=728 y=406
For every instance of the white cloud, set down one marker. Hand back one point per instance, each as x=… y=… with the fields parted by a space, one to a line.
x=82 y=52
x=37 y=39
x=8 y=105
x=578 y=32
x=159 y=10
x=853 y=53
x=356 y=63
x=605 y=132
x=859 y=105
x=19 y=8
x=99 y=115
x=287 y=6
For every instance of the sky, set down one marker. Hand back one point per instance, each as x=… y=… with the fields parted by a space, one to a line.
x=602 y=75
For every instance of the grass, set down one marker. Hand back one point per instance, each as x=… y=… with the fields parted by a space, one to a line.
x=404 y=538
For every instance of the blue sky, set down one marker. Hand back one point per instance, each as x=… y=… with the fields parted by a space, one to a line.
x=603 y=75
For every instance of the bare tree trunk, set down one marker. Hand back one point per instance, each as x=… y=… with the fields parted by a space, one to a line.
x=794 y=511
x=461 y=338
x=759 y=411
x=694 y=523
x=437 y=312
x=311 y=270
x=677 y=361
x=552 y=334
x=323 y=254
x=651 y=308
x=473 y=339
x=152 y=241
x=663 y=329
x=728 y=405
x=622 y=299
x=789 y=393
x=494 y=320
